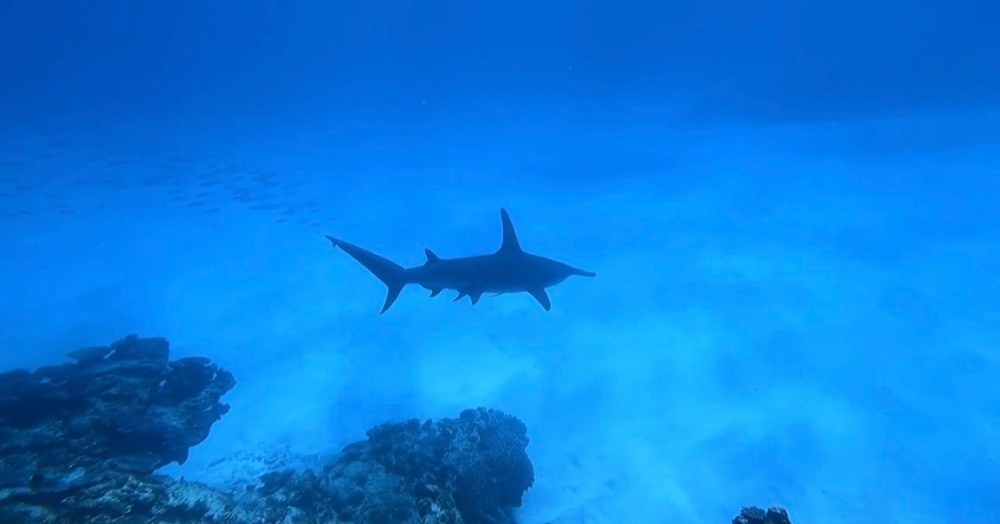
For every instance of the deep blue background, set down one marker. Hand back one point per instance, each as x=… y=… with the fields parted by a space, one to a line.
x=791 y=206
x=376 y=62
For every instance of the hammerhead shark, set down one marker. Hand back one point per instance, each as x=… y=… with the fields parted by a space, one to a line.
x=509 y=270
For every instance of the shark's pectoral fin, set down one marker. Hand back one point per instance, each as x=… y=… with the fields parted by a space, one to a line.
x=542 y=297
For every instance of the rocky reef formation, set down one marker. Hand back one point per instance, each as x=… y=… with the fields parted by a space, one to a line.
x=81 y=442
x=116 y=414
x=121 y=408
x=472 y=469
x=755 y=515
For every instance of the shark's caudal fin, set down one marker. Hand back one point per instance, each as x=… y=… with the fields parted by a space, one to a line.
x=390 y=273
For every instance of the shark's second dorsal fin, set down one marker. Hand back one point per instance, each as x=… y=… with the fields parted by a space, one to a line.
x=431 y=257
x=510 y=242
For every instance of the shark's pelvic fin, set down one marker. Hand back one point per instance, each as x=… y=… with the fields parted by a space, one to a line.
x=435 y=292
x=390 y=273
x=510 y=242
x=542 y=297
x=431 y=257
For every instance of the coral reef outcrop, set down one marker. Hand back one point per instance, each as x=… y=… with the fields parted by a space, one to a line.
x=77 y=435
x=755 y=515
x=81 y=442
x=123 y=407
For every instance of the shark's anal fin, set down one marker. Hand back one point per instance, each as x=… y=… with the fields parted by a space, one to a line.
x=542 y=297
x=431 y=257
x=510 y=243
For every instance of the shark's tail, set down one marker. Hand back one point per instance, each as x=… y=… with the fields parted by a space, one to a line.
x=390 y=273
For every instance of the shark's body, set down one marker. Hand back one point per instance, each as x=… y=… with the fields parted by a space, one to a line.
x=509 y=270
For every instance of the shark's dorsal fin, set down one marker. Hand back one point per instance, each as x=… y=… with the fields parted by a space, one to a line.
x=431 y=257
x=510 y=243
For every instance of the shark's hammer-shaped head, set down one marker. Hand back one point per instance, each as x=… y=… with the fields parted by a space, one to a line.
x=571 y=271
x=552 y=272
x=545 y=271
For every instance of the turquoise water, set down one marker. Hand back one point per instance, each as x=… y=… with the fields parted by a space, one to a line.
x=793 y=220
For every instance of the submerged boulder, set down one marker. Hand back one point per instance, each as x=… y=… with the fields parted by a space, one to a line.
x=80 y=442
x=124 y=407
x=472 y=469
x=75 y=435
x=469 y=470
x=755 y=515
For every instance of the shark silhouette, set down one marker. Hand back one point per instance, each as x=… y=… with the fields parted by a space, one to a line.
x=509 y=270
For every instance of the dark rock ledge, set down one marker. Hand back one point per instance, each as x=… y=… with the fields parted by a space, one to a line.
x=755 y=515
x=80 y=442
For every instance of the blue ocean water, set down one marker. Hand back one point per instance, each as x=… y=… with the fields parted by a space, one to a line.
x=791 y=209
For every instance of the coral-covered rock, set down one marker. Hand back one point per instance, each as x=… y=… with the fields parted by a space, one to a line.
x=123 y=408
x=755 y=515
x=80 y=442
x=471 y=469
